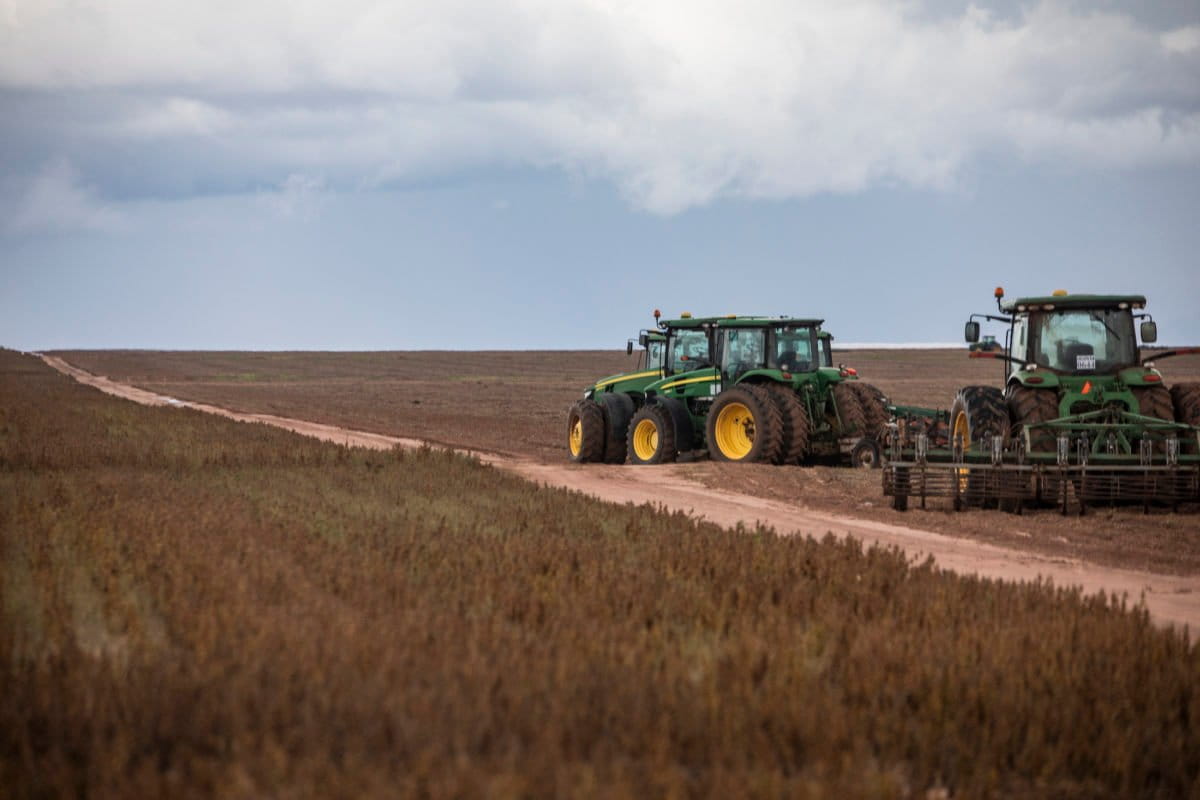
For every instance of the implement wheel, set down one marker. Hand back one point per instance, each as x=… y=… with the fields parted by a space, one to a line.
x=744 y=425
x=585 y=432
x=795 y=423
x=651 y=436
x=978 y=414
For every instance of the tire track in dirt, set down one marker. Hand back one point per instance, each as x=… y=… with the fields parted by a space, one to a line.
x=1170 y=599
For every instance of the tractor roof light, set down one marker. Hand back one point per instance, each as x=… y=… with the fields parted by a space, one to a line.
x=1122 y=306
x=1048 y=307
x=999 y=292
x=657 y=313
x=685 y=315
x=1059 y=293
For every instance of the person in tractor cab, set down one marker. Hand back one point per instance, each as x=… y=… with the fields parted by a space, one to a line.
x=793 y=353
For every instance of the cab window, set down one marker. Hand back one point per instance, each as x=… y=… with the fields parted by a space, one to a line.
x=742 y=350
x=689 y=350
x=793 y=351
x=654 y=354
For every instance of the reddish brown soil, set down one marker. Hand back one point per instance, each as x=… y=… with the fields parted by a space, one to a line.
x=514 y=403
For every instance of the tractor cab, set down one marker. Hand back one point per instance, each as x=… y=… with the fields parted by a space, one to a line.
x=1074 y=335
x=653 y=344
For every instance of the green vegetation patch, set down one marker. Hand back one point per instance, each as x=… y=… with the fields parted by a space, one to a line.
x=194 y=606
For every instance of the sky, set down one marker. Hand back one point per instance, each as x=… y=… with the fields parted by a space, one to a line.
x=543 y=174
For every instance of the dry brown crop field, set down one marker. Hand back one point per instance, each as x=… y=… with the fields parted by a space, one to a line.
x=191 y=606
x=515 y=403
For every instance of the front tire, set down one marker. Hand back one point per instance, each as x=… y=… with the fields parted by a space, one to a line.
x=585 y=432
x=744 y=425
x=651 y=436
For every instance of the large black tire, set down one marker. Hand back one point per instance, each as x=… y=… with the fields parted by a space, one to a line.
x=677 y=410
x=874 y=407
x=585 y=432
x=651 y=436
x=1025 y=407
x=1186 y=397
x=978 y=414
x=1155 y=401
x=851 y=422
x=795 y=423
x=618 y=410
x=1029 y=406
x=744 y=425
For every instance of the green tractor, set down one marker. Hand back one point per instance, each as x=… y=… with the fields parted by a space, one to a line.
x=596 y=424
x=987 y=344
x=751 y=389
x=1079 y=409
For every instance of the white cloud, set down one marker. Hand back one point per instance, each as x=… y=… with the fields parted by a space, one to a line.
x=679 y=103
x=57 y=200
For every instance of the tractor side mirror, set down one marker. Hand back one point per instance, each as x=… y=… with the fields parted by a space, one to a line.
x=642 y=339
x=971 y=331
x=1149 y=331
x=629 y=347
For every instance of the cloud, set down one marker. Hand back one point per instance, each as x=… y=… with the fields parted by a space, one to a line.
x=678 y=103
x=56 y=200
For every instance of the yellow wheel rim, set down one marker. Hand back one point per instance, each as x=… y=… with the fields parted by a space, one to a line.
x=575 y=438
x=734 y=431
x=961 y=429
x=645 y=439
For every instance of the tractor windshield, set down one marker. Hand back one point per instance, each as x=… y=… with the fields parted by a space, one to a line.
x=1083 y=340
x=689 y=350
x=826 y=351
x=794 y=350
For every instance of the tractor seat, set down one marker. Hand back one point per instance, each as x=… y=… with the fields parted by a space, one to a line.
x=1070 y=351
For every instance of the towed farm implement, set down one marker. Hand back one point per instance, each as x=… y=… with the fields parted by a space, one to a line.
x=1082 y=417
x=746 y=389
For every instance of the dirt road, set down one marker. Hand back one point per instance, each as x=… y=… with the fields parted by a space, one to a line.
x=1169 y=599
